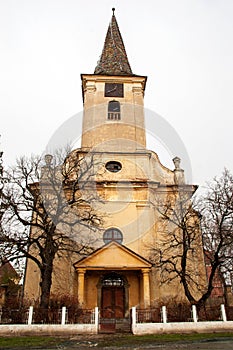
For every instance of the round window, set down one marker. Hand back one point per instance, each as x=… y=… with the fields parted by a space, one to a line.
x=113 y=166
x=112 y=234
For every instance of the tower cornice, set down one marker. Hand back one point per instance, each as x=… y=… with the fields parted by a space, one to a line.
x=140 y=79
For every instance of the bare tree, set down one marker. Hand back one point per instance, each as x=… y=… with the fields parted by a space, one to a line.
x=50 y=212
x=179 y=245
x=216 y=208
x=192 y=229
x=3 y=204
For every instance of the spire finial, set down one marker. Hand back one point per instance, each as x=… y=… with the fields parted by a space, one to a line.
x=113 y=10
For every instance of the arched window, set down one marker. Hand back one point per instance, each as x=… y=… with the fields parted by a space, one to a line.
x=114 y=110
x=112 y=234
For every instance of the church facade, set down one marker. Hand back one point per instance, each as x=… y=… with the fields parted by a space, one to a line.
x=130 y=179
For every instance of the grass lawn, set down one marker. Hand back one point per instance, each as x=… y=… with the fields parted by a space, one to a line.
x=162 y=338
x=27 y=342
x=117 y=340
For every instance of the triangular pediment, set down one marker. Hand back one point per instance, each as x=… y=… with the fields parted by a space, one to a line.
x=113 y=256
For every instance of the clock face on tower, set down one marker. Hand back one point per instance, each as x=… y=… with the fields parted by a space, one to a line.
x=113 y=90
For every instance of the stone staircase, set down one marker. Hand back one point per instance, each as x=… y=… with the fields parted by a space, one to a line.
x=112 y=325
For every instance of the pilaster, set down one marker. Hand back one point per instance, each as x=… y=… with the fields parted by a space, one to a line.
x=81 y=286
x=146 y=287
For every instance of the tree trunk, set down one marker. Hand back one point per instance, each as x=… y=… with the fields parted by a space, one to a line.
x=45 y=284
x=47 y=256
x=184 y=259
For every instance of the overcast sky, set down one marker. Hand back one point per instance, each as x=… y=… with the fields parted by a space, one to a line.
x=185 y=47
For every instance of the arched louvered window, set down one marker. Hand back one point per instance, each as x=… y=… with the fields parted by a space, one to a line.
x=114 y=110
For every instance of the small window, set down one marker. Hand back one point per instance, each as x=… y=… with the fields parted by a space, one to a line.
x=113 y=235
x=113 y=166
x=112 y=280
x=114 y=110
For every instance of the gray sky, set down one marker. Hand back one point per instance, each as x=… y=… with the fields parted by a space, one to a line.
x=185 y=47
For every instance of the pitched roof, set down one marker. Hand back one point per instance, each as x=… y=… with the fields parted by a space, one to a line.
x=7 y=272
x=113 y=60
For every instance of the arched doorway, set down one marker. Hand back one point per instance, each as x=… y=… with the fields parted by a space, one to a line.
x=114 y=296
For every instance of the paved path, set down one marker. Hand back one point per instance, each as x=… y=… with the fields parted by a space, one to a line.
x=218 y=345
x=215 y=344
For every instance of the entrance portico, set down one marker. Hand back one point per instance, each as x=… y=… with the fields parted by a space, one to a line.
x=114 y=278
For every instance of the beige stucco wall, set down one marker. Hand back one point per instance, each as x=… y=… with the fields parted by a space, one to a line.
x=127 y=203
x=96 y=128
x=128 y=197
x=64 y=279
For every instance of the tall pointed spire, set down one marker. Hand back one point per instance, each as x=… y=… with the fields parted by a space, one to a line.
x=113 y=60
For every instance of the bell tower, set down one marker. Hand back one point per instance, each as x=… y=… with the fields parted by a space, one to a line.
x=113 y=99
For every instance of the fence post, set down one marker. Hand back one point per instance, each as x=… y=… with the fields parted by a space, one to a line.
x=63 y=315
x=194 y=313
x=223 y=311
x=164 y=314
x=96 y=318
x=30 y=314
x=134 y=317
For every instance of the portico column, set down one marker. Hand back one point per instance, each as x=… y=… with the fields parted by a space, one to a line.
x=146 y=287
x=81 y=275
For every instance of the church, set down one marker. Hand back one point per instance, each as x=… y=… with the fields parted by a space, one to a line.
x=120 y=273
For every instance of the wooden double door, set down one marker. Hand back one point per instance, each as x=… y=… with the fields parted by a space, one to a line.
x=113 y=302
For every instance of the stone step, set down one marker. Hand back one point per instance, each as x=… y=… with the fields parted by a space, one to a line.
x=115 y=326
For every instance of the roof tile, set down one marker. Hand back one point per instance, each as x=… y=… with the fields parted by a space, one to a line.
x=113 y=60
